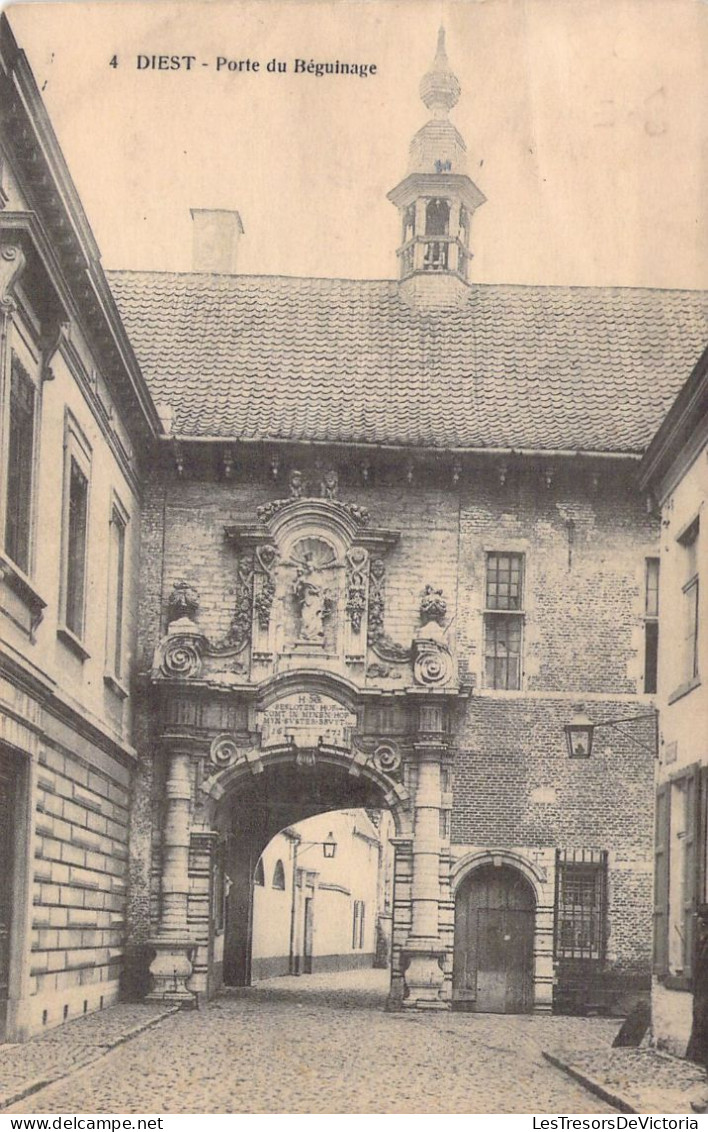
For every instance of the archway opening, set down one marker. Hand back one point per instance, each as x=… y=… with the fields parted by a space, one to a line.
x=326 y=898
x=493 y=967
x=286 y=908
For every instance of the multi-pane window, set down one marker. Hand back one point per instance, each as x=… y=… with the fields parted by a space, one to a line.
x=116 y=585
x=77 y=523
x=358 y=917
x=651 y=623
x=20 y=464
x=581 y=904
x=503 y=620
x=75 y=518
x=689 y=541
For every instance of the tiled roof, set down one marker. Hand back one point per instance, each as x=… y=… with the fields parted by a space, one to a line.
x=543 y=368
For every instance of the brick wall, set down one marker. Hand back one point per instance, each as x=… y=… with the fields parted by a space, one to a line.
x=585 y=538
x=79 y=880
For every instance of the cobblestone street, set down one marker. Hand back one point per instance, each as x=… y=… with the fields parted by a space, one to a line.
x=323 y=1044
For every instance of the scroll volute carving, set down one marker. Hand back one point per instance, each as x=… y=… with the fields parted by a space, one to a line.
x=12 y=264
x=432 y=660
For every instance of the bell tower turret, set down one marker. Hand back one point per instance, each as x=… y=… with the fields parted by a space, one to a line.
x=437 y=198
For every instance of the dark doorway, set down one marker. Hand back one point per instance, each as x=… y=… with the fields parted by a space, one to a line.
x=494 y=929
x=8 y=807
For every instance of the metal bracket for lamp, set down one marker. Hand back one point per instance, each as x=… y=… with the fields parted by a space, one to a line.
x=580 y=732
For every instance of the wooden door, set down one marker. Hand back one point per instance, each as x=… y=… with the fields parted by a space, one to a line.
x=494 y=930
x=8 y=797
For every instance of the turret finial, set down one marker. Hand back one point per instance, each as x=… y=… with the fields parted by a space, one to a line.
x=439 y=87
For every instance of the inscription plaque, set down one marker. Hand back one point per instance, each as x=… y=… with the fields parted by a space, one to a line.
x=308 y=717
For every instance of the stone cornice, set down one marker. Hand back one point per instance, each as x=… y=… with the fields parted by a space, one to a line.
x=39 y=165
x=681 y=432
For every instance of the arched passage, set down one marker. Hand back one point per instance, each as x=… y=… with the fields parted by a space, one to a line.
x=253 y=810
x=493 y=967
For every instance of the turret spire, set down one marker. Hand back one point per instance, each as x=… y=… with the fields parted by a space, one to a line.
x=437 y=198
x=439 y=87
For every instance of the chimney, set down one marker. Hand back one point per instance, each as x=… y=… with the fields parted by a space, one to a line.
x=215 y=240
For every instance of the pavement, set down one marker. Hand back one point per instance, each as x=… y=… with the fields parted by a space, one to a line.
x=323 y=1044
x=29 y=1066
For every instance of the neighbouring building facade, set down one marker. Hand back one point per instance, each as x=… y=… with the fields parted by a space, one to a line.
x=675 y=469
x=73 y=412
x=391 y=540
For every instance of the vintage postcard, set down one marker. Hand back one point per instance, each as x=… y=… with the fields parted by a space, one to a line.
x=352 y=473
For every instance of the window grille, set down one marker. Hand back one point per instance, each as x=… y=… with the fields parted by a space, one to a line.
x=581 y=904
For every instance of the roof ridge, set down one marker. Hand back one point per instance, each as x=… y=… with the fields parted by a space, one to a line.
x=476 y=284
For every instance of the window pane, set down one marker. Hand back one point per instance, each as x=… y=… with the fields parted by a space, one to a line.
x=504 y=581
x=651 y=605
x=76 y=549
x=19 y=467
x=651 y=654
x=503 y=652
x=114 y=647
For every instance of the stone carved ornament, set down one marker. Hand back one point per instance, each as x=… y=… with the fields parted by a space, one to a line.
x=432 y=660
x=379 y=641
x=357 y=559
x=181 y=655
x=267 y=558
x=313 y=600
x=182 y=602
x=384 y=754
x=323 y=485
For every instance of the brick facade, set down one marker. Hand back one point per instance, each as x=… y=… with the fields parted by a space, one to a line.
x=584 y=537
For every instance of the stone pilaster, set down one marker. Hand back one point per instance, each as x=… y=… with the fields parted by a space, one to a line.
x=172 y=965
x=424 y=951
x=402 y=868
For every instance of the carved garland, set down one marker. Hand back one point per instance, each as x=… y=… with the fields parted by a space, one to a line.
x=267 y=557
x=239 y=631
x=383 y=645
x=356 y=587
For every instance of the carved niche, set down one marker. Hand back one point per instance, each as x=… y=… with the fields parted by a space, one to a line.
x=310 y=585
x=308 y=593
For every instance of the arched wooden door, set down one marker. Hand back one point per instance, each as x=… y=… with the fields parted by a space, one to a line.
x=495 y=911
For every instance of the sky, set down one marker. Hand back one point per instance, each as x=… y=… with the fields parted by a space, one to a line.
x=585 y=123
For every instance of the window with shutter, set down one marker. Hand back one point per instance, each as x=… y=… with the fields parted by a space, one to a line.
x=661 y=881
x=689 y=870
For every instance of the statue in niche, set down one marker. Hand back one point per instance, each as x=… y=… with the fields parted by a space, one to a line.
x=313 y=600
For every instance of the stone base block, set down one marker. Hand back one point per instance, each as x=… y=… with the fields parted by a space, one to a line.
x=170 y=970
x=424 y=976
